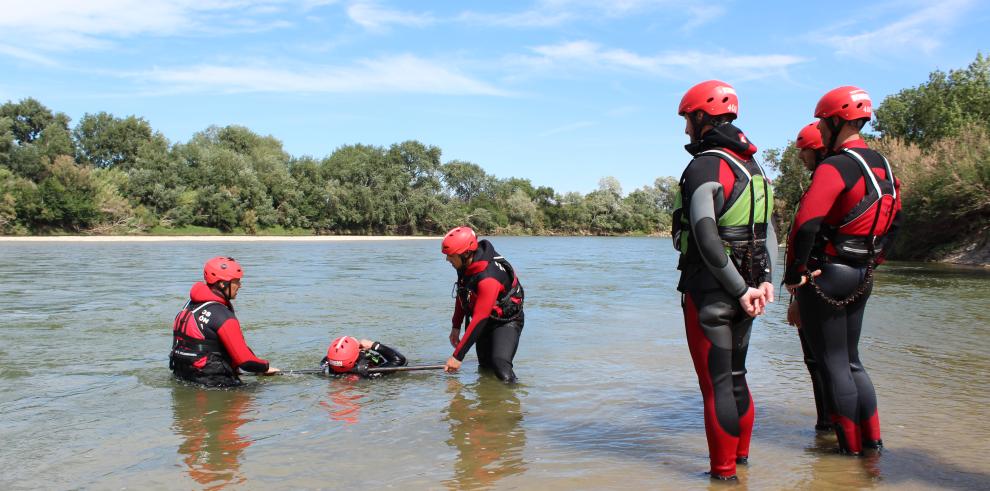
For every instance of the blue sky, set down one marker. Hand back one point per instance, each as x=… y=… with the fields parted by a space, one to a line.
x=562 y=92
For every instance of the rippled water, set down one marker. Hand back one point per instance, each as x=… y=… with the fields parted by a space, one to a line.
x=608 y=398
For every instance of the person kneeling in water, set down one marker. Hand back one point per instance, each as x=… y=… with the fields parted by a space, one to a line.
x=347 y=355
x=208 y=346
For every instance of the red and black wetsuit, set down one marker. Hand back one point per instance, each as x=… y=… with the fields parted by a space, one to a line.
x=208 y=346
x=379 y=356
x=844 y=225
x=490 y=296
x=717 y=327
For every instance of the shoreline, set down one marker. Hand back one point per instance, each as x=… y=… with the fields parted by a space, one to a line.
x=213 y=238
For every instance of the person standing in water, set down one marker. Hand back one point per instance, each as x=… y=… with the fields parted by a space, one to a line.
x=488 y=299
x=844 y=226
x=723 y=231
x=811 y=151
x=208 y=346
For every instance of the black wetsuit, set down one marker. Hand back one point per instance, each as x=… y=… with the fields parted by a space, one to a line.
x=843 y=226
x=717 y=328
x=379 y=356
x=823 y=421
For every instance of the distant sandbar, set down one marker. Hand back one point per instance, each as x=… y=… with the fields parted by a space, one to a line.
x=210 y=238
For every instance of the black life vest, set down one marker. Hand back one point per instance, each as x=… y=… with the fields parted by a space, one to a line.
x=197 y=353
x=858 y=236
x=509 y=305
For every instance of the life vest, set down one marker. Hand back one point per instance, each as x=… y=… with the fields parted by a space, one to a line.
x=742 y=222
x=509 y=304
x=858 y=236
x=196 y=349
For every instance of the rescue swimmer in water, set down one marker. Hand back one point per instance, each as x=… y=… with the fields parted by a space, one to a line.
x=208 y=346
x=348 y=356
x=723 y=230
x=488 y=299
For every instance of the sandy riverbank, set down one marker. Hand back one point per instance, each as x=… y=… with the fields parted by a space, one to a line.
x=211 y=238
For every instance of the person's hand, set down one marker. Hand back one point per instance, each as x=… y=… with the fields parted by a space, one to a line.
x=794 y=315
x=452 y=365
x=455 y=337
x=804 y=280
x=366 y=344
x=767 y=288
x=272 y=371
x=752 y=302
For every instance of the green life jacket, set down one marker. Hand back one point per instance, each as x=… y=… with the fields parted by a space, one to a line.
x=742 y=222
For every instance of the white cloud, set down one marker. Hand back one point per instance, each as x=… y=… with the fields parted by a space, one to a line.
x=585 y=55
x=65 y=25
x=567 y=128
x=395 y=74
x=26 y=55
x=371 y=15
x=920 y=30
x=551 y=13
x=524 y=19
x=700 y=15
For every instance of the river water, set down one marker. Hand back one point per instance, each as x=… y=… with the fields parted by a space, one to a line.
x=608 y=397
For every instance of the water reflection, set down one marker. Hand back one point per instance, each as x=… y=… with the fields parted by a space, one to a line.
x=343 y=402
x=209 y=421
x=486 y=428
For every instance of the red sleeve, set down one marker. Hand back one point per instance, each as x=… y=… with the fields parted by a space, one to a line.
x=826 y=185
x=458 y=314
x=240 y=354
x=488 y=290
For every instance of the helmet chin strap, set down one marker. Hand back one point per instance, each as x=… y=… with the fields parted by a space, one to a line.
x=834 y=129
x=224 y=289
x=698 y=124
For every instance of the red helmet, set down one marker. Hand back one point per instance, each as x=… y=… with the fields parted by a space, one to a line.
x=713 y=97
x=343 y=353
x=459 y=240
x=847 y=102
x=810 y=137
x=222 y=269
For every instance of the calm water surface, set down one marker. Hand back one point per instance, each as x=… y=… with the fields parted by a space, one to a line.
x=608 y=398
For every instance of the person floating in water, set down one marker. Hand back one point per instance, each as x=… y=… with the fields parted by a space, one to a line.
x=346 y=355
x=208 y=346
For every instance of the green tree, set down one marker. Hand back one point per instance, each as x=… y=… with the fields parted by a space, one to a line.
x=940 y=107
x=67 y=196
x=790 y=184
x=466 y=181
x=30 y=118
x=105 y=141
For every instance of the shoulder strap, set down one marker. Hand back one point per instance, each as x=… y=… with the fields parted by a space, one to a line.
x=197 y=309
x=867 y=171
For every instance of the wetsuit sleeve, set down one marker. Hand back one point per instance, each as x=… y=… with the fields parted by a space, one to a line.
x=458 y=314
x=392 y=357
x=240 y=354
x=488 y=290
x=704 y=200
x=772 y=250
x=826 y=186
x=887 y=242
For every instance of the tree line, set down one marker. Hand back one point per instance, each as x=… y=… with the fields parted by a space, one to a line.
x=113 y=175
